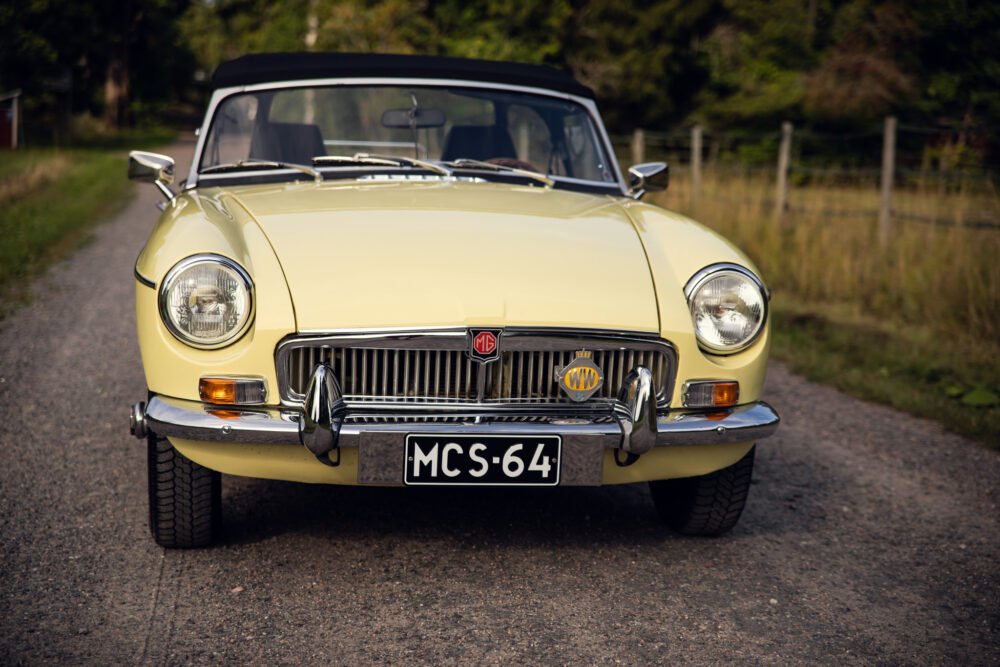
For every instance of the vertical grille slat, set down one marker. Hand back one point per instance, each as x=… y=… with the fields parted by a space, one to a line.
x=406 y=375
x=508 y=378
x=395 y=373
x=363 y=389
x=427 y=373
x=385 y=372
x=449 y=375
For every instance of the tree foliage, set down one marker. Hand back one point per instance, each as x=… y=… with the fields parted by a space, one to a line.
x=654 y=63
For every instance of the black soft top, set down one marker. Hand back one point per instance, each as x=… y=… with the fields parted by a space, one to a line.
x=269 y=67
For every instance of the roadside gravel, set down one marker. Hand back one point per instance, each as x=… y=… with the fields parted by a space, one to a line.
x=870 y=536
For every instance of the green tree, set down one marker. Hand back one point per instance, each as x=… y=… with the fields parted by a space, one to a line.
x=219 y=30
x=868 y=70
x=642 y=58
x=91 y=50
x=956 y=48
x=530 y=32
x=757 y=55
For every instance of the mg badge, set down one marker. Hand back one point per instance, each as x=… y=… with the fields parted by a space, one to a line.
x=484 y=345
x=581 y=378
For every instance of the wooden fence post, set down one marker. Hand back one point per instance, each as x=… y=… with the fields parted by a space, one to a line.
x=695 y=164
x=784 y=157
x=888 y=172
x=638 y=146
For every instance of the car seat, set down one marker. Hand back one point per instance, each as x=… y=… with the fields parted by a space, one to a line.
x=477 y=142
x=297 y=143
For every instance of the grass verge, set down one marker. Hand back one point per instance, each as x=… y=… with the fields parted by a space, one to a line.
x=914 y=324
x=49 y=201
x=913 y=369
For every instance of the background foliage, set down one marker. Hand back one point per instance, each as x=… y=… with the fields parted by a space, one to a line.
x=831 y=64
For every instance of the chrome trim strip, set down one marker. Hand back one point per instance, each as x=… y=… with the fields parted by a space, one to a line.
x=143 y=279
x=704 y=274
x=513 y=339
x=170 y=417
x=229 y=175
x=458 y=327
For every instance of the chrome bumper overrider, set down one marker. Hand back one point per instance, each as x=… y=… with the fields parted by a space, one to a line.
x=632 y=425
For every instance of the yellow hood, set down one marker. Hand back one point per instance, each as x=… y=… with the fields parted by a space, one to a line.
x=423 y=254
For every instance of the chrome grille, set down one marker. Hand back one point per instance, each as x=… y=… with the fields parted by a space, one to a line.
x=463 y=419
x=415 y=369
x=387 y=373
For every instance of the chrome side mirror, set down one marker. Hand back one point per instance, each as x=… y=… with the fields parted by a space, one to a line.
x=648 y=177
x=152 y=168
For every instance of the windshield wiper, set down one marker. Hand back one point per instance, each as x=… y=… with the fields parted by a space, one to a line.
x=466 y=163
x=376 y=159
x=246 y=165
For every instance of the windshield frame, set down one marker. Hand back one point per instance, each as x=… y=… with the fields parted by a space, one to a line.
x=616 y=187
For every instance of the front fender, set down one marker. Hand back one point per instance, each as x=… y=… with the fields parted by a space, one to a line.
x=677 y=248
x=210 y=222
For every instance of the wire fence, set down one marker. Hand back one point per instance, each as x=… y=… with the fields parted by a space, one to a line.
x=928 y=175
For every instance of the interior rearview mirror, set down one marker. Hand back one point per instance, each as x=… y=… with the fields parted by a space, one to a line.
x=648 y=177
x=418 y=117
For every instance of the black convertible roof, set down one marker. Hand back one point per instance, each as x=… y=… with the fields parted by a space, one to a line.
x=269 y=67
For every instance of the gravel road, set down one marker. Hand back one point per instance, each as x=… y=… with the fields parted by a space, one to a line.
x=870 y=536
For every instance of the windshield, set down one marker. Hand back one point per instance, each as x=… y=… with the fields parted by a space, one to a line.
x=547 y=135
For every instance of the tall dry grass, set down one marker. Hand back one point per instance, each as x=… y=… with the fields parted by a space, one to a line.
x=825 y=248
x=34 y=171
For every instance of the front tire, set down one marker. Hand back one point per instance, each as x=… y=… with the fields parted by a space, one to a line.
x=185 y=499
x=708 y=505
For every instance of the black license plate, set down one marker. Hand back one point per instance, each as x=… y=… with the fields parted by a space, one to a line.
x=482 y=460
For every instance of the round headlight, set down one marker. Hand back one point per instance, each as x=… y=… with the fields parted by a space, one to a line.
x=728 y=307
x=206 y=301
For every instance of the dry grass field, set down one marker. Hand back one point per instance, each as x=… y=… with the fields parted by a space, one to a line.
x=825 y=248
x=915 y=324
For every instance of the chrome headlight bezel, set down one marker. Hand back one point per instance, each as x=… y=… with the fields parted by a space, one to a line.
x=243 y=278
x=702 y=278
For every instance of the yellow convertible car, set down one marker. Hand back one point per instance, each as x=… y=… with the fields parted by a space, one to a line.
x=400 y=270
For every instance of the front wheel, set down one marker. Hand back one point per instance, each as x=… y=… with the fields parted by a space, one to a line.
x=185 y=499
x=708 y=505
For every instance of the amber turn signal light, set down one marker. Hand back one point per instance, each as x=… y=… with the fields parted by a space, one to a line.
x=232 y=391
x=711 y=394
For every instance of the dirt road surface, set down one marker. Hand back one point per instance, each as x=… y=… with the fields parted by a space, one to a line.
x=870 y=536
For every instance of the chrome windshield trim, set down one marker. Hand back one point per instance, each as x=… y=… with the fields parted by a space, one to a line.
x=191 y=420
x=454 y=338
x=231 y=175
x=220 y=94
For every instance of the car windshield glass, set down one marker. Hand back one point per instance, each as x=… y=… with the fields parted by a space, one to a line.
x=547 y=135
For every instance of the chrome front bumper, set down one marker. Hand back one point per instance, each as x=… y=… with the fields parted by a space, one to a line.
x=631 y=425
x=191 y=420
